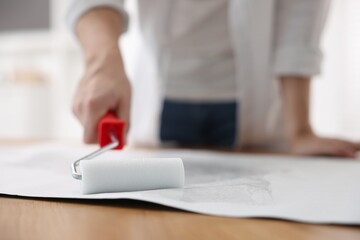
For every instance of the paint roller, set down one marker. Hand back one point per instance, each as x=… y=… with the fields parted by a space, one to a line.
x=122 y=175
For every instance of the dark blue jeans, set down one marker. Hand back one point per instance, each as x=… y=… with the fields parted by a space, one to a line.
x=198 y=124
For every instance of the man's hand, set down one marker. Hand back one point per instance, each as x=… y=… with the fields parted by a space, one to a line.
x=302 y=140
x=104 y=86
x=310 y=144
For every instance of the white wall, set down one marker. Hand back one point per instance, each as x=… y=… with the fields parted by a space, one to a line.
x=336 y=98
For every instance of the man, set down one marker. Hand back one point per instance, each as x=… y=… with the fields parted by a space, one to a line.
x=235 y=72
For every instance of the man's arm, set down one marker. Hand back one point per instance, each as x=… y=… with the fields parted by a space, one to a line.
x=301 y=137
x=104 y=86
x=299 y=25
x=98 y=32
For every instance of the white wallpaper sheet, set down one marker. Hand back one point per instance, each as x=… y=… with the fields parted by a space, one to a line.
x=316 y=190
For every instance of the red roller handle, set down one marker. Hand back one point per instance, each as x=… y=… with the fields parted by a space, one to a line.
x=108 y=124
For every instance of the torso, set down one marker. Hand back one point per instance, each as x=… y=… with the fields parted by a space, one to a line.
x=193 y=48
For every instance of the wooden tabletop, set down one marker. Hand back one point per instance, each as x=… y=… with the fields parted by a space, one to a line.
x=36 y=219
x=30 y=218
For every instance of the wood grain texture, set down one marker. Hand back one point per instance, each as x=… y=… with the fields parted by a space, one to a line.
x=31 y=219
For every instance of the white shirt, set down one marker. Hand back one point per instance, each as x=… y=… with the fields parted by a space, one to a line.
x=219 y=50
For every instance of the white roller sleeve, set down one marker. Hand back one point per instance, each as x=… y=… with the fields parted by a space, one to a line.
x=100 y=176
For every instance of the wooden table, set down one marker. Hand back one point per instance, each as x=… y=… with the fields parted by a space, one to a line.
x=37 y=219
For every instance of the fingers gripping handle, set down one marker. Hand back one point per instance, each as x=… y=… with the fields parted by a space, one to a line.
x=111 y=125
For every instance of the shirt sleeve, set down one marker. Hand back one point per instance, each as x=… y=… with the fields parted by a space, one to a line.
x=80 y=7
x=298 y=28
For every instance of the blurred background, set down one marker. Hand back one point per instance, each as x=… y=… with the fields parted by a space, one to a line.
x=40 y=65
